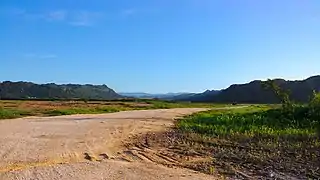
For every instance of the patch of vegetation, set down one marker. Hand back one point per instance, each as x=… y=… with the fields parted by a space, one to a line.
x=249 y=124
x=258 y=142
x=59 y=112
x=10 y=114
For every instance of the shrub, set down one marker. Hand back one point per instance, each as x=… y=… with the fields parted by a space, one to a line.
x=281 y=94
x=314 y=109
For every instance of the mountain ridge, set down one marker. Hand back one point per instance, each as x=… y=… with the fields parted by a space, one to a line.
x=29 y=90
x=253 y=92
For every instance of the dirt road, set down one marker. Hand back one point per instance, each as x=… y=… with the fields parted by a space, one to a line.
x=83 y=147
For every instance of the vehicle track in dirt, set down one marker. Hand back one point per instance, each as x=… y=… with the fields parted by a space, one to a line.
x=88 y=147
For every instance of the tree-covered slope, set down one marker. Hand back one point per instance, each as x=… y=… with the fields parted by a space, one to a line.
x=253 y=92
x=21 y=90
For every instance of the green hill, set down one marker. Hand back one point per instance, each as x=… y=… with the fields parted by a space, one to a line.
x=253 y=92
x=28 y=90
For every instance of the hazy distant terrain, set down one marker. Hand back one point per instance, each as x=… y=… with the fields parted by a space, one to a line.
x=168 y=96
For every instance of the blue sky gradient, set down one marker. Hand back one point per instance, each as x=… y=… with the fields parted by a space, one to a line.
x=158 y=46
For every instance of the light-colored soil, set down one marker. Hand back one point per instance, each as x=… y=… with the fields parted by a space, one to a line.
x=84 y=147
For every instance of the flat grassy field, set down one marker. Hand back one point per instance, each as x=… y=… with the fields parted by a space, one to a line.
x=21 y=108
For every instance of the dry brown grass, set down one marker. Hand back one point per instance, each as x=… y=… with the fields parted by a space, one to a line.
x=50 y=105
x=21 y=108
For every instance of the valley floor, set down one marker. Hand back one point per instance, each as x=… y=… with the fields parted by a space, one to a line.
x=86 y=147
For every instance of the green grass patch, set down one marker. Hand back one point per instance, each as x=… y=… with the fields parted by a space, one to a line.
x=250 y=139
x=250 y=122
x=10 y=113
x=59 y=112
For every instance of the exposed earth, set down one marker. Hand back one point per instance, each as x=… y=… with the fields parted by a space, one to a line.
x=87 y=147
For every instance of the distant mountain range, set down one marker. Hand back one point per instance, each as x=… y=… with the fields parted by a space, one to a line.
x=28 y=90
x=253 y=92
x=196 y=96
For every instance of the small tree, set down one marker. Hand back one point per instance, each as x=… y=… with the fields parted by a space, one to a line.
x=314 y=108
x=315 y=101
x=281 y=94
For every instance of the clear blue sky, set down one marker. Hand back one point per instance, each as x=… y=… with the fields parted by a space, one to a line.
x=158 y=45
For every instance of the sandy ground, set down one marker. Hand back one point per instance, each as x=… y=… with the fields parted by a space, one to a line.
x=84 y=147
